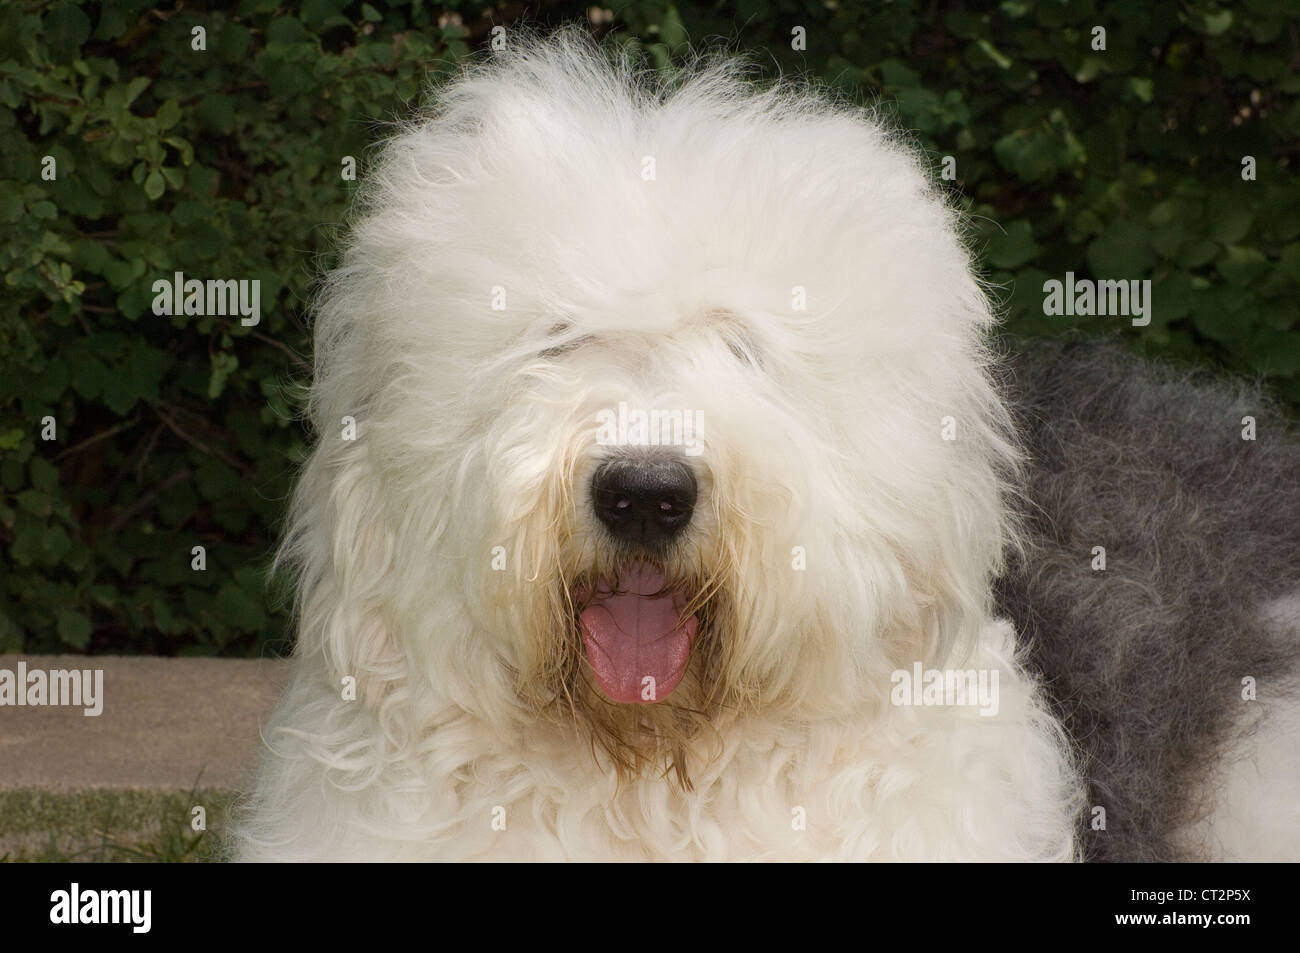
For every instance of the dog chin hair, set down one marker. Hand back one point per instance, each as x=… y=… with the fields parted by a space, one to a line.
x=656 y=735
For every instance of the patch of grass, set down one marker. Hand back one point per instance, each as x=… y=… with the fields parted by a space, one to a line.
x=102 y=826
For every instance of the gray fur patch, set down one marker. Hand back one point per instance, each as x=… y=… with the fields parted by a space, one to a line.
x=1201 y=528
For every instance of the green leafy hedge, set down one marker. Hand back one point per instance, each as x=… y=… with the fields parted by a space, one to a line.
x=177 y=432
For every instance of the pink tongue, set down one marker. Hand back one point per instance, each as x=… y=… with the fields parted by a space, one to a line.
x=636 y=649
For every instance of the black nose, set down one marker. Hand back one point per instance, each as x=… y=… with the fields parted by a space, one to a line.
x=644 y=501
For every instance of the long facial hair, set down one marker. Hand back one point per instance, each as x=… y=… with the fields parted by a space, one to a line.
x=667 y=737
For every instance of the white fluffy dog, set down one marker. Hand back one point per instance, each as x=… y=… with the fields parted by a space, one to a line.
x=657 y=456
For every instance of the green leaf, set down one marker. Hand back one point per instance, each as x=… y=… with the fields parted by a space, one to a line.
x=1242 y=266
x=168 y=115
x=1142 y=88
x=287 y=30
x=217 y=111
x=223 y=365
x=11 y=205
x=1279 y=351
x=1121 y=251
x=34 y=502
x=1194 y=254
x=1289 y=265
x=671 y=29
x=145 y=365
x=316 y=12
x=73 y=628
x=1217 y=23
x=56 y=544
x=240 y=608
x=215 y=480
x=1013 y=248
x=134 y=88
x=1216 y=322
x=155 y=184
x=45 y=476
x=11 y=637
x=1167 y=239
x=119 y=273
x=66 y=27
x=181 y=145
x=233 y=42
x=29 y=537
x=1232 y=226
x=898 y=76
x=1172 y=298
x=137 y=377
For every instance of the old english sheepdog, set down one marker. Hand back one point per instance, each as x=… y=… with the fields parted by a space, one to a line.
x=663 y=476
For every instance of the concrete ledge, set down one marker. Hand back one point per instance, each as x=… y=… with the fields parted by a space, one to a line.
x=173 y=733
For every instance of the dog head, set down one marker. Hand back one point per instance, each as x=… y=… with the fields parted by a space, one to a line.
x=671 y=405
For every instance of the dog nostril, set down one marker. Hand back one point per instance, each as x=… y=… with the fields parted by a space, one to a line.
x=644 y=501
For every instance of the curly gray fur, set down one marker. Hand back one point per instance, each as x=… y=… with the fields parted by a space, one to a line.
x=1201 y=528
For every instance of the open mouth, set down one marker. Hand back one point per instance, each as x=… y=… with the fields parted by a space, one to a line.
x=637 y=641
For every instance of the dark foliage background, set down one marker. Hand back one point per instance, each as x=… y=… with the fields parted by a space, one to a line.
x=225 y=163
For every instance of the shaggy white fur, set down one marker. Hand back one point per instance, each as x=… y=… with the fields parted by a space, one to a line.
x=1254 y=814
x=559 y=235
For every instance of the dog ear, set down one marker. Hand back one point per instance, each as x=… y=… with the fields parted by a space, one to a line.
x=953 y=615
x=341 y=549
x=970 y=547
x=965 y=534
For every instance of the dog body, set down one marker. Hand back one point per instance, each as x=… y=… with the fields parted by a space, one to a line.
x=660 y=488
x=879 y=784
x=1173 y=659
